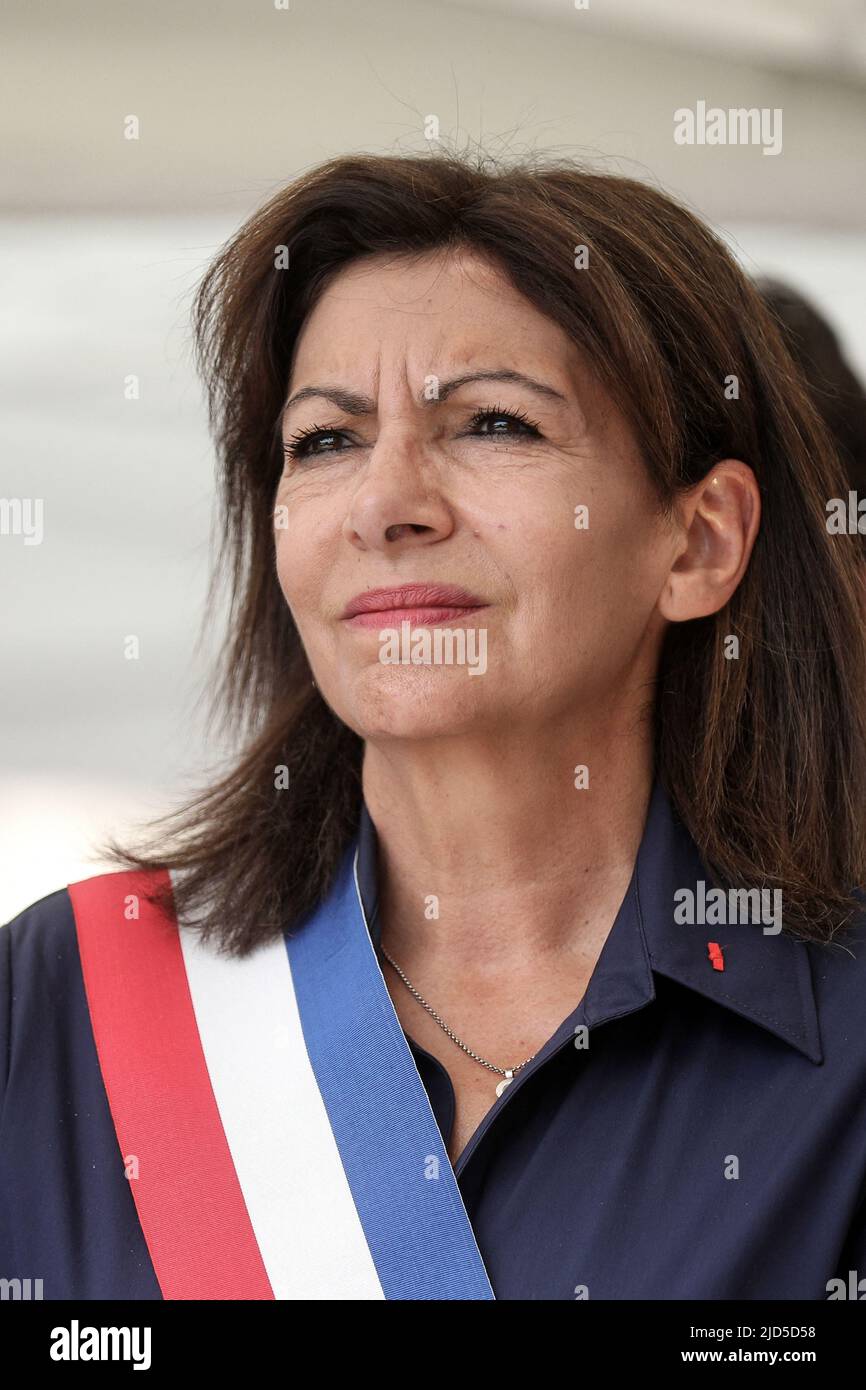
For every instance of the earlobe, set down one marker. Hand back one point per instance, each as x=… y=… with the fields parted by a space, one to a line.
x=719 y=519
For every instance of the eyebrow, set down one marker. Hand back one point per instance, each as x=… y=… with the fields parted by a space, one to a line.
x=354 y=404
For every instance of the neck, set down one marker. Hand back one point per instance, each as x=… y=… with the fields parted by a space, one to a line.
x=490 y=859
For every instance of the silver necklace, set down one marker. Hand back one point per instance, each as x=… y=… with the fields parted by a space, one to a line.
x=508 y=1073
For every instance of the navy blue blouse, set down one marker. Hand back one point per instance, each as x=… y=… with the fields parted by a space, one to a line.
x=708 y=1141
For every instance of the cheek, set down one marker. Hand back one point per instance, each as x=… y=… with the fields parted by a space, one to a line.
x=287 y=571
x=596 y=583
x=303 y=549
x=297 y=576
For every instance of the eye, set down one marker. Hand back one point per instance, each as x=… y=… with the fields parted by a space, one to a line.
x=300 y=445
x=491 y=414
x=305 y=443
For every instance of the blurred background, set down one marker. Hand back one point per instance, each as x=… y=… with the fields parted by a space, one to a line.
x=104 y=237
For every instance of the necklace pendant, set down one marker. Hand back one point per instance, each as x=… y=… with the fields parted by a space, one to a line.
x=509 y=1077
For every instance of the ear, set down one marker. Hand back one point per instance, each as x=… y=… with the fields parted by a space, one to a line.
x=718 y=521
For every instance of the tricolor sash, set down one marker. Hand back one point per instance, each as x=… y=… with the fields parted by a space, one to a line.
x=277 y=1136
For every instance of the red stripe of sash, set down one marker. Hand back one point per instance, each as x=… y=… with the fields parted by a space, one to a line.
x=187 y=1194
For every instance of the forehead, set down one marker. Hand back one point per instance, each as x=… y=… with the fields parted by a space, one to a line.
x=454 y=301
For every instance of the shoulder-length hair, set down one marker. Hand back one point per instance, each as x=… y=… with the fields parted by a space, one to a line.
x=763 y=756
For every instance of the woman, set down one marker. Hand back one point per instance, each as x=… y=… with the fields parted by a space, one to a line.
x=521 y=951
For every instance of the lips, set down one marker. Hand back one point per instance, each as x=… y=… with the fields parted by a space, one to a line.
x=416 y=603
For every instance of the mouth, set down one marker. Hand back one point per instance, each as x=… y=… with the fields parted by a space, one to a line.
x=418 y=604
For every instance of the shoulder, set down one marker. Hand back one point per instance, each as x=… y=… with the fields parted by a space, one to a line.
x=43 y=1005
x=41 y=940
x=59 y=1170
x=39 y=977
x=38 y=941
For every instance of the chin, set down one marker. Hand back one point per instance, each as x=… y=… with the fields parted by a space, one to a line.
x=408 y=702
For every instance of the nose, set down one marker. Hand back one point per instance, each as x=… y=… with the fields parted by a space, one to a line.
x=398 y=500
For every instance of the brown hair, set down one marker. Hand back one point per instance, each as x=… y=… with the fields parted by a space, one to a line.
x=764 y=756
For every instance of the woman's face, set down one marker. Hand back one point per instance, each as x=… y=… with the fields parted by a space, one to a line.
x=419 y=476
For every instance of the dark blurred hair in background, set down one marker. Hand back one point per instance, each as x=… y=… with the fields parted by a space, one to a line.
x=837 y=392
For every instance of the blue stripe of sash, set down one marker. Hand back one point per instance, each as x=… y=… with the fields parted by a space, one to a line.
x=415 y=1222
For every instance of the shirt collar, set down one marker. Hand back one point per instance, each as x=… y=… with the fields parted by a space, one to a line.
x=766 y=978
